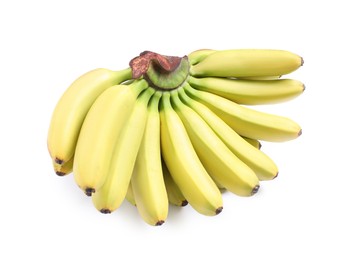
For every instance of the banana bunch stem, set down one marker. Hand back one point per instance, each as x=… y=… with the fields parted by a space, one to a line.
x=160 y=71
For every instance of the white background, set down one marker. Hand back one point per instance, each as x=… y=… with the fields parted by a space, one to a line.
x=45 y=45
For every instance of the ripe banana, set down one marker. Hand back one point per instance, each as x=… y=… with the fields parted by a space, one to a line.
x=147 y=179
x=129 y=195
x=198 y=55
x=262 y=165
x=184 y=165
x=72 y=108
x=248 y=122
x=261 y=78
x=63 y=169
x=255 y=143
x=223 y=166
x=247 y=63
x=112 y=193
x=174 y=130
x=250 y=92
x=175 y=196
x=100 y=132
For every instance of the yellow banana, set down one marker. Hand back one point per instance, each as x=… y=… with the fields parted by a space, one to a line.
x=247 y=63
x=100 y=132
x=262 y=165
x=224 y=167
x=65 y=168
x=250 y=92
x=261 y=78
x=175 y=196
x=112 y=193
x=129 y=195
x=147 y=179
x=198 y=55
x=255 y=143
x=248 y=122
x=72 y=108
x=184 y=165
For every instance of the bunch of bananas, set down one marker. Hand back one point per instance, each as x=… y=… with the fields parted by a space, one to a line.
x=174 y=130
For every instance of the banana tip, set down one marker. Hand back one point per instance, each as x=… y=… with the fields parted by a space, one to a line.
x=105 y=211
x=300 y=132
x=159 y=223
x=58 y=173
x=218 y=210
x=184 y=203
x=89 y=191
x=276 y=175
x=255 y=189
x=302 y=61
x=59 y=161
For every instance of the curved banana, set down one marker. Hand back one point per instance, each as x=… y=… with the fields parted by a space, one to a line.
x=175 y=196
x=100 y=132
x=147 y=179
x=184 y=165
x=112 y=193
x=255 y=143
x=261 y=164
x=129 y=195
x=72 y=108
x=250 y=92
x=248 y=122
x=198 y=55
x=247 y=63
x=261 y=78
x=223 y=166
x=63 y=169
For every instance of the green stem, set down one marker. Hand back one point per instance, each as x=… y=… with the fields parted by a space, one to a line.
x=160 y=71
